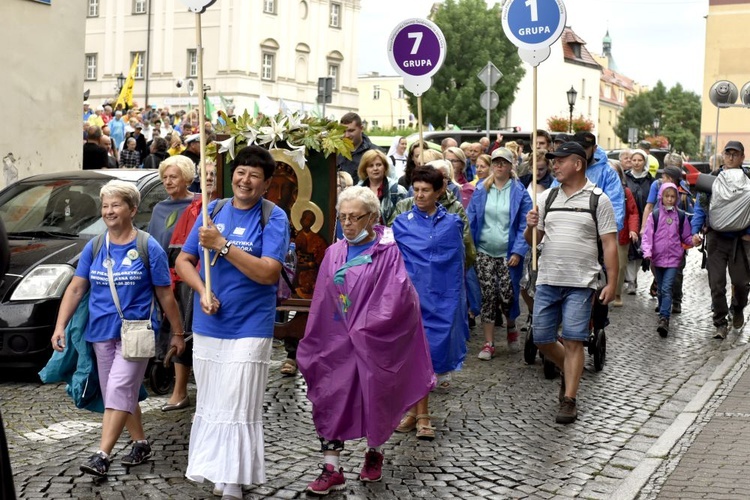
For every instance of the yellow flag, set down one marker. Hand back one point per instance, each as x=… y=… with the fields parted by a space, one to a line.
x=125 y=100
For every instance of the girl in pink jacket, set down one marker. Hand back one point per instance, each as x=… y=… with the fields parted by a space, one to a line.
x=665 y=239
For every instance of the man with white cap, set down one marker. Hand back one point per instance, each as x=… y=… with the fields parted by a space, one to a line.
x=193 y=151
x=727 y=250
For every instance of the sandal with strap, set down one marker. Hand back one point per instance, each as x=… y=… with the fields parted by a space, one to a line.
x=289 y=367
x=408 y=423
x=425 y=432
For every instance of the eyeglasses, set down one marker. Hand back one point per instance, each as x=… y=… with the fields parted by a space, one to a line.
x=343 y=218
x=732 y=154
x=455 y=160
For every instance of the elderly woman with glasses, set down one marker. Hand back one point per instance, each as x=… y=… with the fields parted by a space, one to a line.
x=364 y=355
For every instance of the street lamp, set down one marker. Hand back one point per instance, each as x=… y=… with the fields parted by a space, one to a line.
x=120 y=82
x=656 y=126
x=572 y=94
x=364 y=124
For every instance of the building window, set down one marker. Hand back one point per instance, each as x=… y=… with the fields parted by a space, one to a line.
x=401 y=123
x=139 y=6
x=375 y=92
x=267 y=68
x=93 y=8
x=400 y=91
x=140 y=67
x=269 y=6
x=334 y=20
x=375 y=124
x=192 y=63
x=621 y=96
x=90 y=66
x=610 y=118
x=583 y=87
x=333 y=72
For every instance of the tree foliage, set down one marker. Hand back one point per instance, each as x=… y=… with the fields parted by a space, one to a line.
x=473 y=35
x=679 y=113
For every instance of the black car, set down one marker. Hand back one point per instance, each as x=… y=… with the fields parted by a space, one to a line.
x=49 y=219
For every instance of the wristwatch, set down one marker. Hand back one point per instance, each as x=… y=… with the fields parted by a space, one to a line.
x=225 y=249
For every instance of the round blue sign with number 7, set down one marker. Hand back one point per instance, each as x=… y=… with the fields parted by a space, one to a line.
x=533 y=24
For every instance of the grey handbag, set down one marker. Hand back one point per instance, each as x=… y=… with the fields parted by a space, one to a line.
x=137 y=337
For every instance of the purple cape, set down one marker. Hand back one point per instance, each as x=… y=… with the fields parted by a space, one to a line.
x=364 y=356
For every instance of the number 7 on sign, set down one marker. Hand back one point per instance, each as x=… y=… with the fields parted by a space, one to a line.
x=534 y=12
x=417 y=36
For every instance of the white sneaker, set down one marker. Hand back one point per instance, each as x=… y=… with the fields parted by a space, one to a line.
x=487 y=352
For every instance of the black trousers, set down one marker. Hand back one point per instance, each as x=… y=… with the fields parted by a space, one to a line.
x=731 y=254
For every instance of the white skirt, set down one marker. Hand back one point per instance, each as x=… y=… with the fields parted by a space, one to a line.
x=226 y=440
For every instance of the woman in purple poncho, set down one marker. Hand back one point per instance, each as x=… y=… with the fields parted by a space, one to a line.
x=364 y=356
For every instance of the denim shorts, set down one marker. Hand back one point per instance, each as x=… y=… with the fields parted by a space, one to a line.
x=567 y=305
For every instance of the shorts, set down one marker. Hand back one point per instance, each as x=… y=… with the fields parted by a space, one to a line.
x=119 y=379
x=559 y=304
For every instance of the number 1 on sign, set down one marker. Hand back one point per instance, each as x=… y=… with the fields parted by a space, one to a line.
x=417 y=36
x=534 y=12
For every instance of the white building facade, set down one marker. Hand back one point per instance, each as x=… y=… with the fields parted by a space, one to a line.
x=42 y=61
x=382 y=102
x=253 y=51
x=569 y=64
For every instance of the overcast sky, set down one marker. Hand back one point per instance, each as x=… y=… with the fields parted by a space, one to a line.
x=651 y=39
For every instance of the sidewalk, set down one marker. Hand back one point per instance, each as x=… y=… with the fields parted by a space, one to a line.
x=705 y=453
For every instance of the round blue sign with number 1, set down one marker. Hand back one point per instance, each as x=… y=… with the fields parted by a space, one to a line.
x=533 y=24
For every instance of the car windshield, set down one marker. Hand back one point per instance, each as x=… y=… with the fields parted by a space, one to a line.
x=61 y=207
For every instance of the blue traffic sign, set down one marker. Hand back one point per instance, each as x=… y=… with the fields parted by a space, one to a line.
x=533 y=24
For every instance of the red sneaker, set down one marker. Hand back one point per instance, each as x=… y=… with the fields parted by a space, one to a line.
x=328 y=480
x=372 y=470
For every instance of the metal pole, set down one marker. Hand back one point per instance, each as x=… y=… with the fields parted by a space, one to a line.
x=148 y=54
x=489 y=74
x=570 y=120
x=716 y=146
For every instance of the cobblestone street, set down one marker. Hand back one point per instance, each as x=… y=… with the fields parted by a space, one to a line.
x=496 y=436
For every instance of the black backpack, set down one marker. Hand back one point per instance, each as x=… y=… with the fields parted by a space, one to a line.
x=593 y=206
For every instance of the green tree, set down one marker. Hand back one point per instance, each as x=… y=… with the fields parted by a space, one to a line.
x=679 y=113
x=473 y=35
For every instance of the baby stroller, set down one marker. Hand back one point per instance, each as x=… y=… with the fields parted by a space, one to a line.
x=596 y=343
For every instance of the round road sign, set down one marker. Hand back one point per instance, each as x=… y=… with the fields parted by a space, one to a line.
x=416 y=47
x=533 y=24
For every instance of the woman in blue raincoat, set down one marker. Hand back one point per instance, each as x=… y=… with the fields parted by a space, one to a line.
x=431 y=243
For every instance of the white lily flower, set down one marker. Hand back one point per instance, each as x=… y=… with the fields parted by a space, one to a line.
x=297 y=154
x=274 y=132
x=227 y=146
x=251 y=134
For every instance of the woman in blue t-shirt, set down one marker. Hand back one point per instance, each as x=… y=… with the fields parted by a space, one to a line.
x=233 y=327
x=136 y=285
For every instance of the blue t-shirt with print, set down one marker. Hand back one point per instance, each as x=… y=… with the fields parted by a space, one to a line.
x=133 y=282
x=247 y=307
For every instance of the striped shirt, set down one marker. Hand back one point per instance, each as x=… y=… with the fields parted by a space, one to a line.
x=570 y=255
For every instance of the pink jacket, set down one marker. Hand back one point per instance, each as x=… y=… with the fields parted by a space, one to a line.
x=665 y=246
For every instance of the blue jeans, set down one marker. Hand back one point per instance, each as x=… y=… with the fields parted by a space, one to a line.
x=665 y=277
x=555 y=304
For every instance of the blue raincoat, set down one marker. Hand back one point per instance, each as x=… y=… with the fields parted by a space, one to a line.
x=433 y=251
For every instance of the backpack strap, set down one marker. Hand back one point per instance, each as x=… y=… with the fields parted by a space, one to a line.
x=266 y=208
x=219 y=205
x=141 y=244
x=593 y=205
